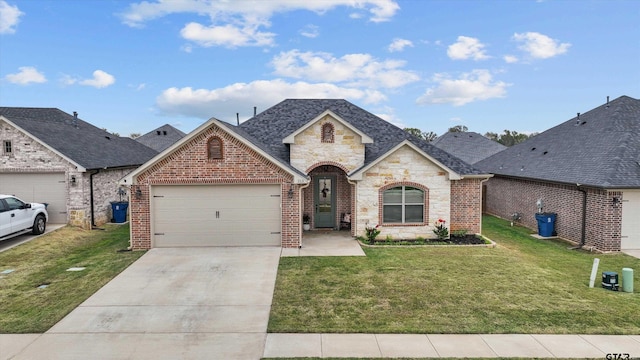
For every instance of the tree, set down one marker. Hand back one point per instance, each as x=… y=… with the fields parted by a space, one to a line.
x=134 y=135
x=508 y=137
x=458 y=128
x=428 y=136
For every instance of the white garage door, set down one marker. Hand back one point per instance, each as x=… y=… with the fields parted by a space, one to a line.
x=216 y=215
x=49 y=188
x=630 y=220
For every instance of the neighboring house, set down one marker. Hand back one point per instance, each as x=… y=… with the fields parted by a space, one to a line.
x=52 y=157
x=468 y=146
x=587 y=170
x=161 y=138
x=251 y=184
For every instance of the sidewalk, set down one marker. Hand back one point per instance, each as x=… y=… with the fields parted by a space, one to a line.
x=458 y=346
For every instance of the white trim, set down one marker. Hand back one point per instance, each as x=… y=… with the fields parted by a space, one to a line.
x=130 y=179
x=452 y=174
x=78 y=166
x=290 y=138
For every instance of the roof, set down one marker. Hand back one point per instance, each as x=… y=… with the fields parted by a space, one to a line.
x=77 y=140
x=468 y=146
x=270 y=127
x=600 y=148
x=161 y=138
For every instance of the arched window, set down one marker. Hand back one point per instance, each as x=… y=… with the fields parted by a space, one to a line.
x=403 y=205
x=327 y=133
x=214 y=147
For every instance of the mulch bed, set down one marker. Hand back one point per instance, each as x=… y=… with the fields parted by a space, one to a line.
x=469 y=239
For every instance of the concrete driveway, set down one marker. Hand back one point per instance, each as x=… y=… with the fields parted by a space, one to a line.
x=181 y=303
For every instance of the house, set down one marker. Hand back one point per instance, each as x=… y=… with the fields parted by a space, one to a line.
x=161 y=138
x=251 y=184
x=469 y=146
x=53 y=157
x=587 y=170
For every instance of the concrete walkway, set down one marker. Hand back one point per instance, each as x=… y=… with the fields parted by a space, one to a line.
x=455 y=346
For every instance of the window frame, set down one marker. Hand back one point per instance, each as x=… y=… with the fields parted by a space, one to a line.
x=7 y=147
x=403 y=204
x=327 y=137
x=220 y=145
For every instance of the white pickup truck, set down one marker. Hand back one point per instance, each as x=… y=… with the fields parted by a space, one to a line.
x=18 y=217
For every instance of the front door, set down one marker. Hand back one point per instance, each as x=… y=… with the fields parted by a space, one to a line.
x=324 y=198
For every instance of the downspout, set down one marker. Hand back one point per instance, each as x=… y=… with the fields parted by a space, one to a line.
x=354 y=216
x=482 y=197
x=583 y=237
x=300 y=208
x=93 y=220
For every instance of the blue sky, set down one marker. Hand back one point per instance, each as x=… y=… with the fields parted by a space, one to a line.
x=131 y=66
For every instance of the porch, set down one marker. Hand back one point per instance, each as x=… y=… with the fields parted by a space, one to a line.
x=326 y=243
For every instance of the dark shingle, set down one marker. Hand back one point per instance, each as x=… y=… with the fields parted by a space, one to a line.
x=600 y=148
x=161 y=138
x=468 y=146
x=275 y=123
x=87 y=145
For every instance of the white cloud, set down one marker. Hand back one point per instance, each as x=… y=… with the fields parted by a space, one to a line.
x=510 y=59
x=466 y=48
x=224 y=103
x=539 y=46
x=359 y=70
x=26 y=75
x=310 y=31
x=399 y=44
x=100 y=79
x=9 y=17
x=227 y=35
x=474 y=86
x=241 y=23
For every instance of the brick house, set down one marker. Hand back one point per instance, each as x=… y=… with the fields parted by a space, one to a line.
x=251 y=184
x=587 y=170
x=53 y=157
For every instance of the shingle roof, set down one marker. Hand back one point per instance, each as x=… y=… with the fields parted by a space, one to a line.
x=85 y=144
x=599 y=148
x=161 y=138
x=275 y=123
x=468 y=146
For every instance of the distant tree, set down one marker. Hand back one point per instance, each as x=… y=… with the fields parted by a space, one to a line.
x=458 y=128
x=428 y=136
x=508 y=137
x=134 y=135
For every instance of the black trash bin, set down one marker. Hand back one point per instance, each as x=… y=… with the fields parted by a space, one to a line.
x=610 y=280
x=546 y=224
x=119 y=209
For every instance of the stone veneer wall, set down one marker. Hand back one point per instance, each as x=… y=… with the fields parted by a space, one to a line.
x=506 y=196
x=403 y=167
x=190 y=165
x=346 y=149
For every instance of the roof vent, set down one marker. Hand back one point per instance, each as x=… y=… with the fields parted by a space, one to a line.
x=607 y=102
x=532 y=149
x=158 y=132
x=75 y=119
x=108 y=138
x=164 y=132
x=578 y=119
x=545 y=153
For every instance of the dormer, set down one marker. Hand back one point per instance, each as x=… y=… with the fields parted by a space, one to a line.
x=327 y=138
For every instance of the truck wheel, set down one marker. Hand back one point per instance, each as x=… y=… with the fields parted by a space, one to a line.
x=39 y=225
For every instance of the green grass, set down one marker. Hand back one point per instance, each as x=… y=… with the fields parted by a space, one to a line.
x=524 y=285
x=26 y=308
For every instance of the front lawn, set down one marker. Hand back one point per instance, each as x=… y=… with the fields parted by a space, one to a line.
x=524 y=285
x=26 y=308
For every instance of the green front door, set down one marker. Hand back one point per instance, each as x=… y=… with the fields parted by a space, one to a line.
x=324 y=198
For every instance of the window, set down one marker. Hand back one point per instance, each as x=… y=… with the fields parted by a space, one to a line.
x=215 y=148
x=6 y=146
x=402 y=205
x=327 y=133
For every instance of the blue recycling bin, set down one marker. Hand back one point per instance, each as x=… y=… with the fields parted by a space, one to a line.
x=119 y=209
x=546 y=224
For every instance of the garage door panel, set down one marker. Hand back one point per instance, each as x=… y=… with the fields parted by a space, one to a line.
x=216 y=215
x=630 y=239
x=50 y=188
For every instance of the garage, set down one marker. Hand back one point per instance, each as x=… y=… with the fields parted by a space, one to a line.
x=50 y=188
x=216 y=215
x=630 y=225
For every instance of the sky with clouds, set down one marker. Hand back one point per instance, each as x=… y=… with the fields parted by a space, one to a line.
x=132 y=66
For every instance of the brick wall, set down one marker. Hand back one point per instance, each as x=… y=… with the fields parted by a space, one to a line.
x=466 y=205
x=505 y=196
x=190 y=165
x=344 y=191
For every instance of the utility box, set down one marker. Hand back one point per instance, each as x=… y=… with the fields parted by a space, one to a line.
x=610 y=280
x=546 y=224
x=119 y=209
